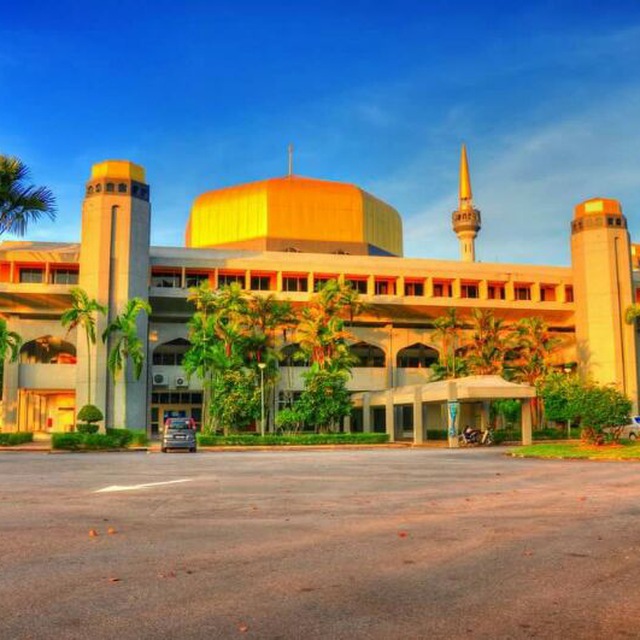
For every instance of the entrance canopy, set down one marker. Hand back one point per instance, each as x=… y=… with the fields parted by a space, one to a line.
x=470 y=389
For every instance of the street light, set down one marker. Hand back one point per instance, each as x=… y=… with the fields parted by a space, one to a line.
x=262 y=366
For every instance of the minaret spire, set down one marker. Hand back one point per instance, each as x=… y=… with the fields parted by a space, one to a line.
x=465 y=194
x=466 y=219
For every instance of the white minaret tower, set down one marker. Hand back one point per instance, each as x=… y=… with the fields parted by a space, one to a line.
x=466 y=220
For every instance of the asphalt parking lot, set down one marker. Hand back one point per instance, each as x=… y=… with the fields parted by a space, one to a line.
x=389 y=543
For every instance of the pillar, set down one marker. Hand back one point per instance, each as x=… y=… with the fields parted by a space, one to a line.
x=418 y=428
x=389 y=416
x=526 y=422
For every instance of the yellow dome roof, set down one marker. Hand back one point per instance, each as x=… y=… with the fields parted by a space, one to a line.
x=295 y=214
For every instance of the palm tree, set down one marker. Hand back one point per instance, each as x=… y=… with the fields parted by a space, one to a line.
x=533 y=349
x=448 y=330
x=10 y=343
x=83 y=314
x=127 y=343
x=632 y=312
x=489 y=345
x=21 y=203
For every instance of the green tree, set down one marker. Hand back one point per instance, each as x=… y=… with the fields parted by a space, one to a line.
x=448 y=331
x=489 y=345
x=21 y=203
x=322 y=337
x=10 y=343
x=602 y=410
x=127 y=345
x=325 y=399
x=82 y=313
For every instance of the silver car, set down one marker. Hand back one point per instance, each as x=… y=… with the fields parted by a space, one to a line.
x=179 y=433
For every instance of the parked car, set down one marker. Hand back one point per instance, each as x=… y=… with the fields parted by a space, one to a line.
x=631 y=430
x=179 y=433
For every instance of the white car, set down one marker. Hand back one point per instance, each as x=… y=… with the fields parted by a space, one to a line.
x=631 y=431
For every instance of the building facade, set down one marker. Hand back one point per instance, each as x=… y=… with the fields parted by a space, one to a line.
x=286 y=236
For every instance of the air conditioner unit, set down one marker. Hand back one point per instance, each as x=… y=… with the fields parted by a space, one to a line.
x=181 y=381
x=160 y=380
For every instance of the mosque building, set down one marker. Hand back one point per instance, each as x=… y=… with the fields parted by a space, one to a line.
x=287 y=236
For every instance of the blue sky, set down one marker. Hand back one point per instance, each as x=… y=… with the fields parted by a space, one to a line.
x=546 y=95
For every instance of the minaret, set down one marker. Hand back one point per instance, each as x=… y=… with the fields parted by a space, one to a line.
x=466 y=220
x=114 y=267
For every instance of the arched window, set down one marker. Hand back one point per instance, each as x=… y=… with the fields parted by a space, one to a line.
x=368 y=355
x=110 y=187
x=47 y=350
x=416 y=356
x=122 y=188
x=291 y=250
x=171 y=353
x=292 y=356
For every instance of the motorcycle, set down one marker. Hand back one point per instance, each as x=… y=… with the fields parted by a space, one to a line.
x=475 y=437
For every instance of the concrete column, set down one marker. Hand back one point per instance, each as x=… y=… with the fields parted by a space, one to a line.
x=389 y=417
x=484 y=415
x=347 y=424
x=526 y=422
x=418 y=428
x=453 y=414
x=366 y=413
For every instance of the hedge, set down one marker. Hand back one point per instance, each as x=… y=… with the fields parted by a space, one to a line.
x=113 y=439
x=12 y=439
x=248 y=440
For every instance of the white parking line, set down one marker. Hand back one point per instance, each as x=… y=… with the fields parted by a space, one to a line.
x=135 y=487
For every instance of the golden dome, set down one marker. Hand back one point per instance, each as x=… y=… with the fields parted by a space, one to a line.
x=597 y=206
x=295 y=214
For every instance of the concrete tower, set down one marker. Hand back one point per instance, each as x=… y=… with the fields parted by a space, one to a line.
x=466 y=220
x=114 y=267
x=601 y=258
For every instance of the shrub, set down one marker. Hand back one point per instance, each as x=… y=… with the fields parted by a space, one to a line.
x=122 y=437
x=247 y=440
x=12 y=439
x=436 y=434
x=71 y=441
x=87 y=427
x=90 y=413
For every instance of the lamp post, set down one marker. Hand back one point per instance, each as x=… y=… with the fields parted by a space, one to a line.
x=262 y=366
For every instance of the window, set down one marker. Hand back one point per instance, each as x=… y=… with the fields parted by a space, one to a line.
x=547 y=293
x=522 y=292
x=469 y=290
x=98 y=188
x=413 y=288
x=31 y=275
x=568 y=294
x=225 y=279
x=358 y=284
x=496 y=291
x=295 y=283
x=171 y=353
x=384 y=287
x=64 y=276
x=261 y=283
x=442 y=289
x=166 y=280
x=195 y=279
x=122 y=188
x=110 y=187
x=416 y=356
x=320 y=281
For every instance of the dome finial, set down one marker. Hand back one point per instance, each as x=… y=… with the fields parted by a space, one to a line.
x=290 y=150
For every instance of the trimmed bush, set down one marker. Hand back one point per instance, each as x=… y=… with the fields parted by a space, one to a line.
x=87 y=427
x=248 y=440
x=122 y=437
x=436 y=434
x=70 y=441
x=90 y=413
x=12 y=439
x=113 y=439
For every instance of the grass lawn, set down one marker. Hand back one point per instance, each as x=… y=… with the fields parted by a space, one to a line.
x=620 y=451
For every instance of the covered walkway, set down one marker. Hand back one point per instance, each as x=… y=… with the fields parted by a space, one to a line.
x=446 y=404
